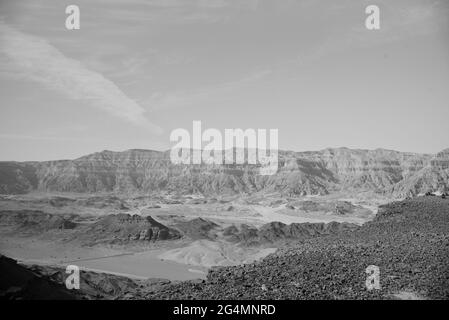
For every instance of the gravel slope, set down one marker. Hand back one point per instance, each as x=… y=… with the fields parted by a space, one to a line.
x=408 y=241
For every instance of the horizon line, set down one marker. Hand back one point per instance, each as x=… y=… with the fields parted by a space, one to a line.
x=279 y=150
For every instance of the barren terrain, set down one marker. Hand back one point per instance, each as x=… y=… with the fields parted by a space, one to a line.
x=203 y=232
x=135 y=219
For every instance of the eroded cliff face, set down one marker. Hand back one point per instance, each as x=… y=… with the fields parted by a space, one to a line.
x=300 y=173
x=441 y=160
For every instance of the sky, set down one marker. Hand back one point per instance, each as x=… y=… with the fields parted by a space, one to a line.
x=138 y=69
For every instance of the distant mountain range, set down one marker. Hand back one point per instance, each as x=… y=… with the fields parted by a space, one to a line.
x=300 y=173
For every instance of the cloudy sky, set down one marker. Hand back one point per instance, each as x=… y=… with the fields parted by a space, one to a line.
x=137 y=69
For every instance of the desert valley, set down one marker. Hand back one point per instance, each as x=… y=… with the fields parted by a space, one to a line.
x=140 y=227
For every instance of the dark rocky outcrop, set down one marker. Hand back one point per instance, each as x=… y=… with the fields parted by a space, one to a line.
x=275 y=232
x=197 y=228
x=120 y=228
x=19 y=282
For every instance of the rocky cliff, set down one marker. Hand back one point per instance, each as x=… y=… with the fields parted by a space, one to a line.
x=300 y=173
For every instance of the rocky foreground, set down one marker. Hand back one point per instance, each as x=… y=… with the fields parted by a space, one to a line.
x=408 y=241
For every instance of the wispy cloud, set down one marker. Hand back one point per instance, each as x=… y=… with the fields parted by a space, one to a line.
x=36 y=59
x=160 y=101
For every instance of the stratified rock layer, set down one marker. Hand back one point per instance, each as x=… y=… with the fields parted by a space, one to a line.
x=300 y=173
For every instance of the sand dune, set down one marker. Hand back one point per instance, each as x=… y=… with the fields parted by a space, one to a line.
x=207 y=253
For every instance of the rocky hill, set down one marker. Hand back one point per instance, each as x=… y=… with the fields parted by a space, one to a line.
x=408 y=241
x=300 y=173
x=35 y=220
x=113 y=228
x=124 y=228
x=273 y=232
x=197 y=228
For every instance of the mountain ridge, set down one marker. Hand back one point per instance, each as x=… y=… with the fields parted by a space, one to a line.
x=300 y=173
